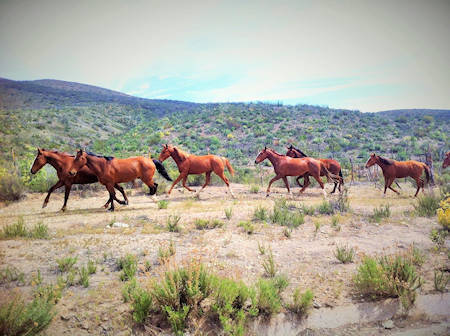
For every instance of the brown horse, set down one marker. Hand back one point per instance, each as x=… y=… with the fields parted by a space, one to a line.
x=62 y=163
x=287 y=166
x=331 y=165
x=446 y=162
x=189 y=164
x=396 y=169
x=111 y=171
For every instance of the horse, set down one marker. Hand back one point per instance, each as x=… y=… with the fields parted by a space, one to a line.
x=287 y=166
x=62 y=163
x=189 y=164
x=446 y=162
x=111 y=171
x=393 y=169
x=331 y=165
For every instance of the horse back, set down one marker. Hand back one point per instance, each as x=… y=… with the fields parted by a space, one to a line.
x=409 y=168
x=332 y=165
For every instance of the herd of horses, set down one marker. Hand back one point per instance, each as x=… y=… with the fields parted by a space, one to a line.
x=86 y=168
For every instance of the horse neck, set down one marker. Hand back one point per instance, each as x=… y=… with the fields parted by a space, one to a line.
x=381 y=164
x=274 y=158
x=56 y=161
x=97 y=165
x=178 y=157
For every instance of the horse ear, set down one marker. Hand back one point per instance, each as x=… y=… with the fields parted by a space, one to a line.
x=265 y=147
x=39 y=150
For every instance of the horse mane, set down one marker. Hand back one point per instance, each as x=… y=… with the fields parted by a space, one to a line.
x=54 y=151
x=275 y=152
x=298 y=150
x=107 y=158
x=386 y=161
x=182 y=155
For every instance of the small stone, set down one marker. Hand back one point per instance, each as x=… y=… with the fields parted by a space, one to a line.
x=388 y=324
x=119 y=224
x=85 y=325
x=65 y=317
x=317 y=305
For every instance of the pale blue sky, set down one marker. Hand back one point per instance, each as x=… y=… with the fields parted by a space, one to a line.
x=366 y=55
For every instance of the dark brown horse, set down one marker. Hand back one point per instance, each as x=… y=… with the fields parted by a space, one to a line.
x=446 y=162
x=396 y=169
x=111 y=171
x=287 y=166
x=331 y=165
x=189 y=164
x=62 y=163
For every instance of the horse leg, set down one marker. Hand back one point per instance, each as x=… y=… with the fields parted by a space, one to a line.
x=306 y=184
x=335 y=185
x=176 y=181
x=286 y=183
x=389 y=185
x=119 y=187
x=318 y=179
x=276 y=178
x=185 y=185
x=112 y=196
x=298 y=181
x=207 y=180
x=419 y=184
x=52 y=189
x=225 y=179
x=66 y=196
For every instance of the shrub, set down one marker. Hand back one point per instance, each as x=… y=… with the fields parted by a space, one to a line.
x=268 y=295
x=141 y=302
x=247 y=226
x=260 y=213
x=325 y=208
x=20 y=318
x=128 y=290
x=162 y=204
x=10 y=274
x=84 y=277
x=17 y=229
x=438 y=237
x=164 y=253
x=128 y=265
x=426 y=205
x=344 y=254
x=254 y=189
x=172 y=223
x=388 y=276
x=39 y=231
x=287 y=232
x=342 y=204
x=91 y=267
x=283 y=216
x=228 y=213
x=301 y=302
x=441 y=280
x=443 y=213
x=269 y=265
x=261 y=248
x=307 y=210
x=66 y=264
x=203 y=224
x=384 y=211
x=11 y=187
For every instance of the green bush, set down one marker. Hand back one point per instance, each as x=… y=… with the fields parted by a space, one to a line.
x=84 y=276
x=307 y=210
x=19 y=229
x=203 y=224
x=426 y=205
x=254 y=189
x=325 y=208
x=441 y=280
x=228 y=213
x=20 y=318
x=248 y=227
x=283 y=216
x=10 y=274
x=66 y=264
x=268 y=299
x=269 y=265
x=344 y=254
x=165 y=252
x=39 y=231
x=301 y=302
x=172 y=223
x=162 y=204
x=141 y=303
x=11 y=187
x=128 y=265
x=91 y=267
x=128 y=290
x=260 y=213
x=384 y=211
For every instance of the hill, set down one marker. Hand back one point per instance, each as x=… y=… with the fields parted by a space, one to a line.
x=66 y=115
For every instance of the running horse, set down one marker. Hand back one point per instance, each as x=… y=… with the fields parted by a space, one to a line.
x=111 y=171
x=287 y=166
x=393 y=169
x=62 y=163
x=446 y=162
x=189 y=164
x=331 y=165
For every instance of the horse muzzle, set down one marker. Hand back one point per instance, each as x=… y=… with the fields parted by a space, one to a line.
x=256 y=162
x=72 y=173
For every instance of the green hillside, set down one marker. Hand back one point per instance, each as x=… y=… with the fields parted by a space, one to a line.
x=65 y=115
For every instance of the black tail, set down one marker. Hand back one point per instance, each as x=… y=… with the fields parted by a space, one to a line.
x=340 y=174
x=161 y=169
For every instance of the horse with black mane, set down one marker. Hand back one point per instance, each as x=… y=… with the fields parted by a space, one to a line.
x=393 y=169
x=111 y=171
x=331 y=165
x=62 y=163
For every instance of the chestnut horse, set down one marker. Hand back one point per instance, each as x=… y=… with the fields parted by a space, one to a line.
x=62 y=163
x=446 y=162
x=111 y=171
x=189 y=164
x=287 y=166
x=331 y=165
x=396 y=169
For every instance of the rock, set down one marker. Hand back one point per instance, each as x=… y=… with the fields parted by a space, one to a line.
x=85 y=325
x=65 y=317
x=119 y=224
x=317 y=305
x=388 y=324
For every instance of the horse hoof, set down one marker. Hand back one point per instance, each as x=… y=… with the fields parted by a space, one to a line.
x=267 y=195
x=111 y=210
x=44 y=205
x=63 y=209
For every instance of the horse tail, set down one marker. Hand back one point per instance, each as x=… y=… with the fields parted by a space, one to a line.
x=227 y=163
x=161 y=169
x=332 y=176
x=427 y=171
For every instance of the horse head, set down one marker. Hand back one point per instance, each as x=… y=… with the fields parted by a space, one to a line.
x=166 y=152
x=262 y=155
x=39 y=162
x=372 y=160
x=79 y=162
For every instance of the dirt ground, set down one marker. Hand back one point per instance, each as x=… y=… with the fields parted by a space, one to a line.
x=306 y=258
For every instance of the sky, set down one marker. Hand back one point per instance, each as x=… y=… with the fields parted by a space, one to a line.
x=360 y=55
